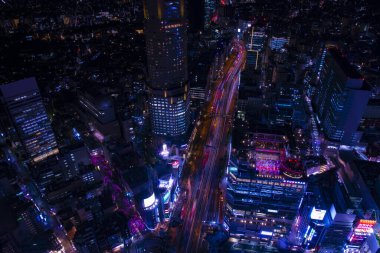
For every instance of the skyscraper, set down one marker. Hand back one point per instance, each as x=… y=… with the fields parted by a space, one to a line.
x=165 y=31
x=341 y=99
x=255 y=48
x=23 y=103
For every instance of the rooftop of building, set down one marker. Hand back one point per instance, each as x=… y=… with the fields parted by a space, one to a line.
x=374 y=102
x=95 y=92
x=311 y=161
x=343 y=63
x=263 y=166
x=163 y=169
x=7 y=215
x=370 y=171
x=331 y=191
x=256 y=93
x=291 y=174
x=17 y=88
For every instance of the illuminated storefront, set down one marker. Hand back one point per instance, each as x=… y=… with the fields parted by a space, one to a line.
x=362 y=230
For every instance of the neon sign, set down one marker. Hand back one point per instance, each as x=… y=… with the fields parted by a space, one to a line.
x=317 y=214
x=365 y=227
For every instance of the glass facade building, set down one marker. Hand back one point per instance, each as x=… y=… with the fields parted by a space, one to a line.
x=255 y=48
x=26 y=110
x=165 y=31
x=168 y=117
x=264 y=191
x=341 y=98
x=277 y=43
x=327 y=214
x=261 y=208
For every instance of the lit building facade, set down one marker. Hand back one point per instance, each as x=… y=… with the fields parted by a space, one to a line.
x=255 y=48
x=24 y=105
x=263 y=208
x=166 y=188
x=165 y=31
x=150 y=211
x=315 y=229
x=277 y=43
x=338 y=228
x=321 y=62
x=363 y=229
x=341 y=99
x=264 y=192
x=327 y=215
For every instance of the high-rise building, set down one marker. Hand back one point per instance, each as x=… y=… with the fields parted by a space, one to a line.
x=165 y=31
x=24 y=106
x=264 y=190
x=327 y=214
x=341 y=99
x=255 y=48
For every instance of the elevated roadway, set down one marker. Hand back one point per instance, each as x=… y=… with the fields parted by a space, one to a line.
x=207 y=156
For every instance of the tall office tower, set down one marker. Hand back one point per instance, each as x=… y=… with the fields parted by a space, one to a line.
x=327 y=215
x=209 y=10
x=341 y=98
x=165 y=31
x=264 y=190
x=24 y=106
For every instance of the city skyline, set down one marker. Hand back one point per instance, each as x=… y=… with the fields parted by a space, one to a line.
x=178 y=126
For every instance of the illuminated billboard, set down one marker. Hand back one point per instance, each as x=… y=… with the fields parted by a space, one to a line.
x=166 y=183
x=267 y=233
x=317 y=214
x=365 y=227
x=148 y=202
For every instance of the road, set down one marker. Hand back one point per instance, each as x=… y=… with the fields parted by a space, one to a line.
x=31 y=192
x=207 y=154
